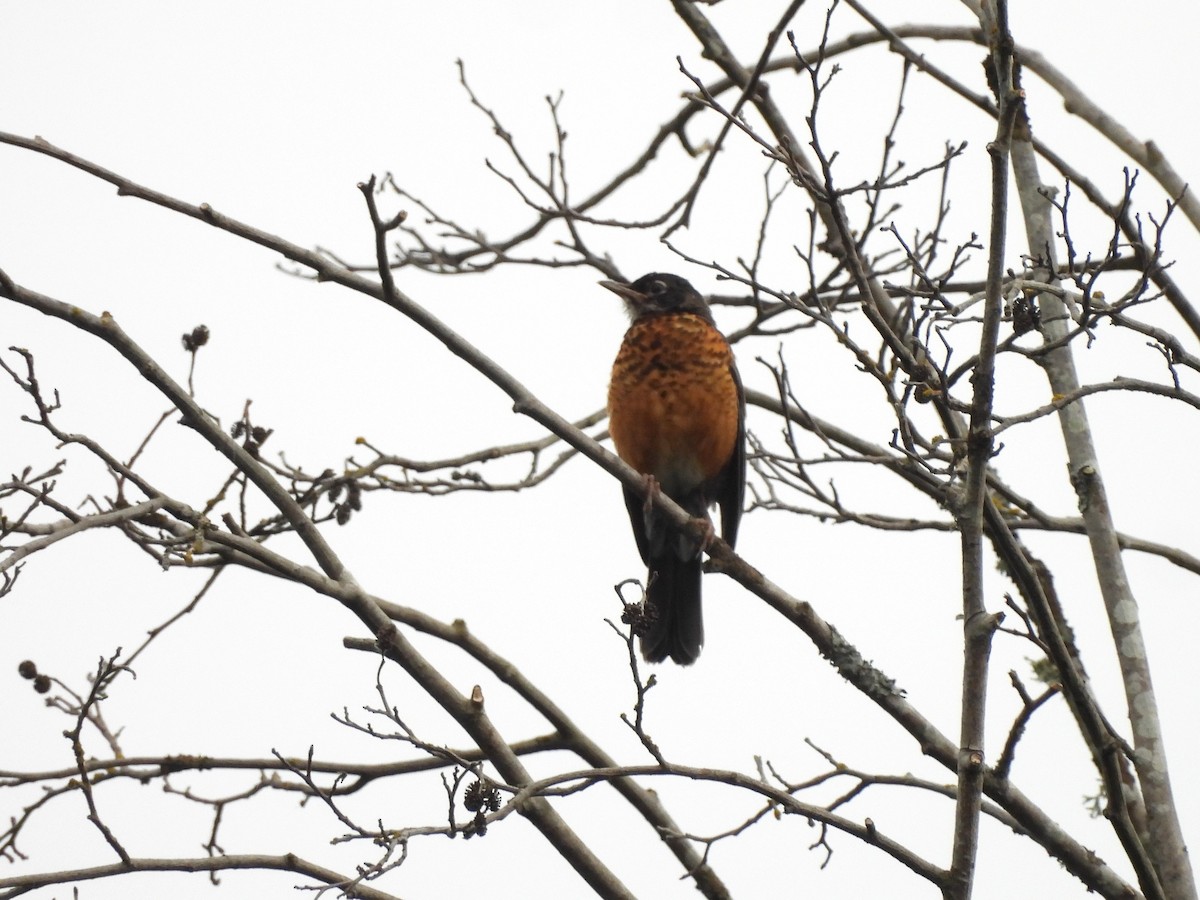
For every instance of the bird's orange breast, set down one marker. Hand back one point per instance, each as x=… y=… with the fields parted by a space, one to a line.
x=673 y=401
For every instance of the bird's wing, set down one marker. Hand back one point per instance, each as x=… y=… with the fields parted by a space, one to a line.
x=731 y=493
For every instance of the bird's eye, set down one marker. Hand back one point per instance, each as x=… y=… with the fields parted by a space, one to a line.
x=658 y=287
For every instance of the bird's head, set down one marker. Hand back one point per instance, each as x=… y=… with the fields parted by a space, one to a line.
x=658 y=293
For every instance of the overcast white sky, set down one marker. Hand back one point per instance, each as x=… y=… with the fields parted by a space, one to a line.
x=271 y=112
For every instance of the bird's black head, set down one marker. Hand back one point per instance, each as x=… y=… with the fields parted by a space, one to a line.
x=657 y=293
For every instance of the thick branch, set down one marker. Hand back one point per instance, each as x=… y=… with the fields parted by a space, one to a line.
x=1162 y=836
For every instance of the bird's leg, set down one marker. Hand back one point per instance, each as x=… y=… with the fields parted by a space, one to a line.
x=653 y=490
x=708 y=532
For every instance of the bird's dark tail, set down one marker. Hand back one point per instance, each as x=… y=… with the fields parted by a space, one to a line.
x=675 y=626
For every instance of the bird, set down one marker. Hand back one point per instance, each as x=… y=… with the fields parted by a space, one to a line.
x=677 y=414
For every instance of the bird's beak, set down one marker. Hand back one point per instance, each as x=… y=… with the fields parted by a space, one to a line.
x=624 y=291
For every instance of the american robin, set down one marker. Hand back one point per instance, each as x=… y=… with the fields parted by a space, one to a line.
x=676 y=412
